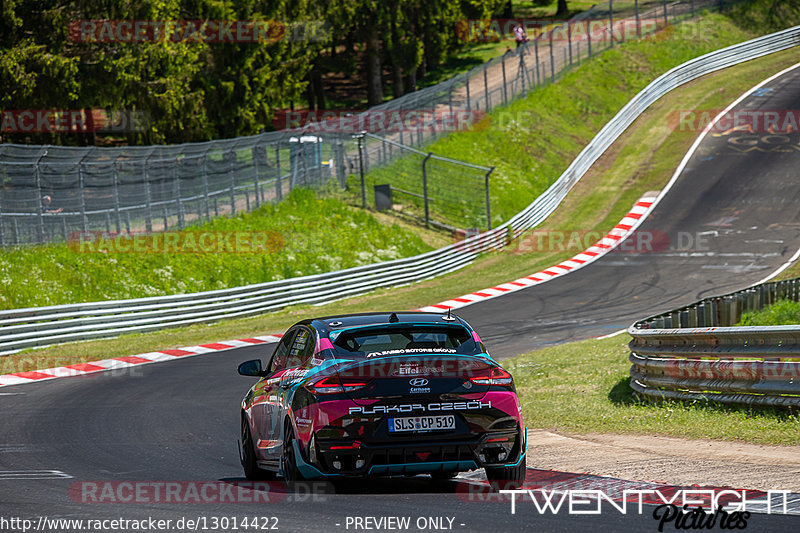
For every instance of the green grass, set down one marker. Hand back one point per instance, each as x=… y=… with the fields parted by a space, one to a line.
x=781 y=313
x=303 y=235
x=582 y=387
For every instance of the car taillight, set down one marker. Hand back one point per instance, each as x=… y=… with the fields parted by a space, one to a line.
x=493 y=376
x=335 y=385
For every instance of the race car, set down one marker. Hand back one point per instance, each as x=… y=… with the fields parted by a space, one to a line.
x=381 y=394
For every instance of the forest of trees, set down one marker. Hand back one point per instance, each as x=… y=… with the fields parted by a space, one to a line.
x=192 y=89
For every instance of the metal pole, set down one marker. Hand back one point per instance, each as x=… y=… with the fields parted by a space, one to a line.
x=589 y=36
x=522 y=69
x=360 y=137
x=536 y=51
x=485 y=88
x=505 y=89
x=569 y=40
x=278 y=185
x=638 y=22
x=469 y=79
x=692 y=2
x=179 y=204
x=488 y=202
x=425 y=188
x=233 y=181
x=205 y=186
x=148 y=217
x=84 y=219
x=115 y=177
x=552 y=60
x=255 y=170
x=666 y=19
x=39 y=210
x=611 y=22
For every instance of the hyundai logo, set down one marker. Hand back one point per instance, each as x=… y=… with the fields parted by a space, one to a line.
x=418 y=382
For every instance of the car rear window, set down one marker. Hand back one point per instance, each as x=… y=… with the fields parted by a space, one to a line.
x=375 y=341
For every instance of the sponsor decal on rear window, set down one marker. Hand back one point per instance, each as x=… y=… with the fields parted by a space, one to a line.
x=406 y=351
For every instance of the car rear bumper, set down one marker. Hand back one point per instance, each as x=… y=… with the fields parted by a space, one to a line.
x=335 y=458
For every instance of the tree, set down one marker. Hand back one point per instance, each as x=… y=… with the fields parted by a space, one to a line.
x=562 y=10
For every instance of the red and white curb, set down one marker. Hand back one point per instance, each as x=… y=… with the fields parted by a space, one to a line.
x=611 y=240
x=80 y=369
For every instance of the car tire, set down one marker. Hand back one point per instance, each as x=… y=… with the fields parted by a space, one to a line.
x=288 y=462
x=508 y=473
x=251 y=470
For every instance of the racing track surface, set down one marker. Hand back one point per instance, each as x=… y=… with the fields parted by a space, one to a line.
x=179 y=421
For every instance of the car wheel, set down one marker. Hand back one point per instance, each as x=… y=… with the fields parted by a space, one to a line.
x=289 y=463
x=251 y=469
x=509 y=473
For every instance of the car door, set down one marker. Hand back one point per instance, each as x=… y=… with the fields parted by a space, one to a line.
x=266 y=411
x=296 y=368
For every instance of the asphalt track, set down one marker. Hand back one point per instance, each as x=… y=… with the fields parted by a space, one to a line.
x=179 y=421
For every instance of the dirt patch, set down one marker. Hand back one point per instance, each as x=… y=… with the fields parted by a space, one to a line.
x=668 y=460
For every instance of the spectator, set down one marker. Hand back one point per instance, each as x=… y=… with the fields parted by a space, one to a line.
x=520 y=35
x=47 y=205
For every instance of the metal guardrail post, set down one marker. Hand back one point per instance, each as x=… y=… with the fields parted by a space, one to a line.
x=425 y=189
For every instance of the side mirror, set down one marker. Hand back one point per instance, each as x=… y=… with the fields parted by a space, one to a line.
x=251 y=368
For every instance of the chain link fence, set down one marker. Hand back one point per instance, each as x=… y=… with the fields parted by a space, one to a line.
x=48 y=193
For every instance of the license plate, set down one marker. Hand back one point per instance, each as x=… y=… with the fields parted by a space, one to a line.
x=422 y=423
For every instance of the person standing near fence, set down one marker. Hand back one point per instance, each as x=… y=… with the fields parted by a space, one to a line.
x=520 y=35
x=47 y=205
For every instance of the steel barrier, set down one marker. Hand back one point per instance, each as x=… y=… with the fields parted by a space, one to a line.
x=24 y=328
x=696 y=352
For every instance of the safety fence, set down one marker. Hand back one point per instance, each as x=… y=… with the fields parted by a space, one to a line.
x=50 y=193
x=22 y=328
x=697 y=352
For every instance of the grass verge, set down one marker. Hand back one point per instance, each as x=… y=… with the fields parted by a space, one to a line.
x=583 y=387
x=781 y=313
x=643 y=159
x=300 y=236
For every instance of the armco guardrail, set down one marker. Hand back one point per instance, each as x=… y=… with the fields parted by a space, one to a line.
x=25 y=328
x=695 y=352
